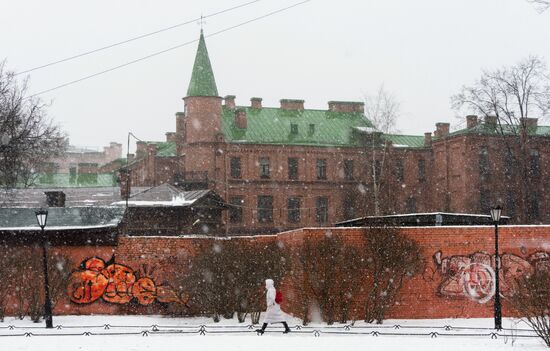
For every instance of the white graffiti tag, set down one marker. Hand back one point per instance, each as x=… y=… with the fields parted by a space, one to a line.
x=479 y=282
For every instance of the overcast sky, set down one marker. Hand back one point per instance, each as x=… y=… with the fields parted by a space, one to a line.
x=422 y=51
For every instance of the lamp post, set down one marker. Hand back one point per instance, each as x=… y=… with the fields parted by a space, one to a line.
x=42 y=217
x=495 y=216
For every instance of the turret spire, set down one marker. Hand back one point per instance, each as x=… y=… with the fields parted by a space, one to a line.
x=202 y=79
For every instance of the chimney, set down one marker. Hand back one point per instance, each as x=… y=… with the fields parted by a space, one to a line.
x=125 y=183
x=240 y=118
x=428 y=139
x=346 y=106
x=141 y=147
x=529 y=123
x=229 y=101
x=491 y=120
x=55 y=198
x=256 y=102
x=441 y=129
x=471 y=121
x=113 y=151
x=170 y=137
x=291 y=104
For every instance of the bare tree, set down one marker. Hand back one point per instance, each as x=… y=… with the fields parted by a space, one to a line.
x=542 y=5
x=382 y=111
x=531 y=298
x=28 y=139
x=512 y=94
x=392 y=258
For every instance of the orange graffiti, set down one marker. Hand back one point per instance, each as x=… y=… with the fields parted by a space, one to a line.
x=116 y=283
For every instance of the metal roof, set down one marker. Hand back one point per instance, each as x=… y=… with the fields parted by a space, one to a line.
x=61 y=218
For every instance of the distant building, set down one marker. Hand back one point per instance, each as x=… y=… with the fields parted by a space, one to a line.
x=288 y=167
x=83 y=167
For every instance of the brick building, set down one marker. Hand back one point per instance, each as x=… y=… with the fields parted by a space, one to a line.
x=291 y=167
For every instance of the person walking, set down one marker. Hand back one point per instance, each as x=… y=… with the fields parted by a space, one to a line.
x=273 y=313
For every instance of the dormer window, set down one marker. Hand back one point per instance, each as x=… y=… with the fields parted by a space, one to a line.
x=293 y=128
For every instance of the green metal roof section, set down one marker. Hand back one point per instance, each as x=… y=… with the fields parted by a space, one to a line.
x=494 y=129
x=202 y=79
x=270 y=125
x=66 y=180
x=408 y=141
x=164 y=148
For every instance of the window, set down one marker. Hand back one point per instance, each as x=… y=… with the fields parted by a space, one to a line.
x=292 y=168
x=236 y=211
x=511 y=204
x=293 y=207
x=348 y=169
x=321 y=169
x=484 y=166
x=349 y=207
x=535 y=163
x=236 y=167
x=399 y=171
x=509 y=162
x=534 y=210
x=265 y=209
x=293 y=128
x=484 y=201
x=311 y=130
x=264 y=167
x=321 y=210
x=377 y=170
x=411 y=205
x=421 y=170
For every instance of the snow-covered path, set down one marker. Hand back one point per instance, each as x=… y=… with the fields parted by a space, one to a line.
x=166 y=334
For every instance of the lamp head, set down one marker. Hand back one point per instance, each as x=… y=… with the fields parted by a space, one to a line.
x=42 y=217
x=495 y=213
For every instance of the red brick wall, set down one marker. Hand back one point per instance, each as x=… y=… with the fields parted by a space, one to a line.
x=420 y=297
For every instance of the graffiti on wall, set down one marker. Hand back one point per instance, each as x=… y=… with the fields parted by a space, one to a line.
x=473 y=276
x=117 y=283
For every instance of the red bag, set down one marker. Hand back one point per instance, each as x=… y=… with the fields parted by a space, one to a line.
x=278 y=297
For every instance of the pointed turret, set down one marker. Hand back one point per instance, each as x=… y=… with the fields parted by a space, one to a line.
x=202 y=79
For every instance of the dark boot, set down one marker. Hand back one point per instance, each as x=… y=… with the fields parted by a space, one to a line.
x=261 y=331
x=287 y=329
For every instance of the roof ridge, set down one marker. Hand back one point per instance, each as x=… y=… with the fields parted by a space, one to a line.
x=305 y=109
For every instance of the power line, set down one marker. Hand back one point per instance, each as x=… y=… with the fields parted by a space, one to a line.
x=169 y=49
x=135 y=38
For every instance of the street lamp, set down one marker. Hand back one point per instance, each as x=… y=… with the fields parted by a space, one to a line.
x=42 y=218
x=495 y=215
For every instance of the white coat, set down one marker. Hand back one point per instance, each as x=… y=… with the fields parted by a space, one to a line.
x=273 y=314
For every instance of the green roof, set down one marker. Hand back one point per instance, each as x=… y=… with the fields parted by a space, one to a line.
x=164 y=148
x=202 y=79
x=411 y=141
x=494 y=129
x=312 y=127
x=65 y=180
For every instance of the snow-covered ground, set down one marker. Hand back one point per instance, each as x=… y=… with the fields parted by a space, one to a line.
x=161 y=333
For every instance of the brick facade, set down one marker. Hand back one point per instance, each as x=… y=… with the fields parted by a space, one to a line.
x=425 y=295
x=464 y=171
